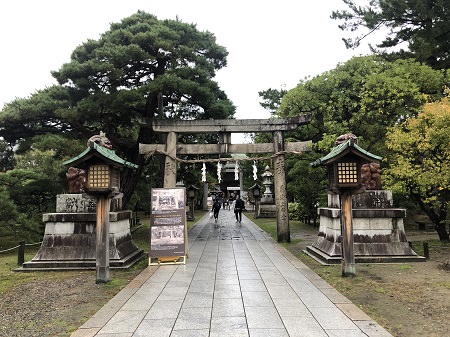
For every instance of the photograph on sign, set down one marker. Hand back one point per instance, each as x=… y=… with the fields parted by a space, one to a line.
x=167 y=222
x=167 y=199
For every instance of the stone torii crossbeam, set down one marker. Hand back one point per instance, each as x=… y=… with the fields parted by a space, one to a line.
x=224 y=128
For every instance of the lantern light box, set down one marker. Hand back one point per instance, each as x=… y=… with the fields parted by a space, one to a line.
x=343 y=165
x=102 y=166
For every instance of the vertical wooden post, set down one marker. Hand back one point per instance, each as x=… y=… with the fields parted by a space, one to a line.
x=170 y=169
x=283 y=232
x=348 y=256
x=241 y=181
x=191 y=208
x=21 y=253
x=205 y=196
x=426 y=250
x=102 y=236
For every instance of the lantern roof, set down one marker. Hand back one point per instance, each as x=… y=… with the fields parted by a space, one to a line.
x=192 y=187
x=97 y=151
x=343 y=149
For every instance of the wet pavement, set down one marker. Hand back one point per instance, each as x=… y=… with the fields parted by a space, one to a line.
x=237 y=281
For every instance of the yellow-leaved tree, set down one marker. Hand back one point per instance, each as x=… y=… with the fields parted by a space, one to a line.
x=419 y=156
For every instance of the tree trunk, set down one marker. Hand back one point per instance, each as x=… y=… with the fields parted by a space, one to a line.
x=130 y=178
x=438 y=219
x=442 y=231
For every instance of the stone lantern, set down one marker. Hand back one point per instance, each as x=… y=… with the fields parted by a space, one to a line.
x=103 y=181
x=256 y=192
x=343 y=165
x=267 y=176
x=192 y=190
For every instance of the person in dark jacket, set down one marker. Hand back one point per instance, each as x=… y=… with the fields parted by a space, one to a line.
x=239 y=205
x=215 y=209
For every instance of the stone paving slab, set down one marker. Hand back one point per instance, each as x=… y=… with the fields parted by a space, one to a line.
x=237 y=281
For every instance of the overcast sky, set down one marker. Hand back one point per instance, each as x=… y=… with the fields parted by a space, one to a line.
x=271 y=44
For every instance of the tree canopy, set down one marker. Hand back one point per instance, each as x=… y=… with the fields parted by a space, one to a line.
x=142 y=68
x=272 y=99
x=422 y=25
x=364 y=95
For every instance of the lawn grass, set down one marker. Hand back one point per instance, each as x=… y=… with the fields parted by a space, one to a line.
x=120 y=278
x=8 y=277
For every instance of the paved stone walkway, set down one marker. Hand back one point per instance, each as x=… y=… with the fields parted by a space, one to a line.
x=237 y=281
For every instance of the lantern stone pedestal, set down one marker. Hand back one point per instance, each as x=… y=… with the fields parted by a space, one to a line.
x=267 y=207
x=378 y=231
x=69 y=241
x=267 y=211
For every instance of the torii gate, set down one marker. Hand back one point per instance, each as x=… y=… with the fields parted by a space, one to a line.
x=224 y=128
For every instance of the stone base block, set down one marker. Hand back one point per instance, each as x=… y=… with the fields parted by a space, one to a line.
x=324 y=258
x=378 y=231
x=69 y=243
x=267 y=211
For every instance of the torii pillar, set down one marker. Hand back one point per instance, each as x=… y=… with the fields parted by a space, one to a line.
x=283 y=231
x=224 y=128
x=170 y=168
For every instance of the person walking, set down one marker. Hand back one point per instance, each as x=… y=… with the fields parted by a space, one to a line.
x=239 y=205
x=215 y=209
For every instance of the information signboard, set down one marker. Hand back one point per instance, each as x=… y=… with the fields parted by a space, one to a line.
x=168 y=225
